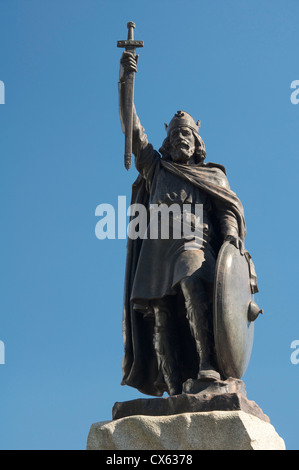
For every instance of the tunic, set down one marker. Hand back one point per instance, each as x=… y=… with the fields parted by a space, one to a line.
x=164 y=262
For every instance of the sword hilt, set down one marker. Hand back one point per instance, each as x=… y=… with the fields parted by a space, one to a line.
x=130 y=44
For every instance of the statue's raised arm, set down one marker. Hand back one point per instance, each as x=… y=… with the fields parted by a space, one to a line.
x=145 y=156
x=128 y=64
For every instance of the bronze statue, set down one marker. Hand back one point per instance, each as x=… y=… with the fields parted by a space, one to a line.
x=176 y=322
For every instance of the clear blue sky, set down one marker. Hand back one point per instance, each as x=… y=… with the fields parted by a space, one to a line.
x=229 y=64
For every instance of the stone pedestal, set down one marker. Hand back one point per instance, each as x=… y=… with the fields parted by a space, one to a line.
x=198 y=396
x=212 y=430
x=207 y=416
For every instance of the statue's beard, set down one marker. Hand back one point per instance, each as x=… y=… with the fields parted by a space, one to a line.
x=182 y=152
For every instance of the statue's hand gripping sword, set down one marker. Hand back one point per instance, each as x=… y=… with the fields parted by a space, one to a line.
x=130 y=45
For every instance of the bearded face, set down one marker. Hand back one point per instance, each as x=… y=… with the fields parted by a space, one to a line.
x=182 y=144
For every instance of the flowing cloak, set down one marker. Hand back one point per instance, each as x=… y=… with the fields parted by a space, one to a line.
x=140 y=369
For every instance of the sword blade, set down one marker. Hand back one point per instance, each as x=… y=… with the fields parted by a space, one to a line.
x=129 y=101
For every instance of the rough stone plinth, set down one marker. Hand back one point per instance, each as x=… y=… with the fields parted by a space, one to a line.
x=198 y=396
x=214 y=430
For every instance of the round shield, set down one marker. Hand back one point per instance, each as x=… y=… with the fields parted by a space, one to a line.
x=233 y=329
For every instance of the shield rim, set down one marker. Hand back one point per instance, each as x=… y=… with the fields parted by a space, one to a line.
x=225 y=369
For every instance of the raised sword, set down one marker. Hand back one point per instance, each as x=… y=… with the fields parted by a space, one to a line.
x=130 y=45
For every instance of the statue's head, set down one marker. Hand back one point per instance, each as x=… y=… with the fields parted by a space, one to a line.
x=183 y=144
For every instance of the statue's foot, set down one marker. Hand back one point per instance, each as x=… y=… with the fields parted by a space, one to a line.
x=209 y=374
x=175 y=389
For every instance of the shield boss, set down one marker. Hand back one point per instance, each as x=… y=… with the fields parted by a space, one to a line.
x=233 y=330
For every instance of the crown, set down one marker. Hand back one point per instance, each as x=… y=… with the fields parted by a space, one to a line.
x=182 y=119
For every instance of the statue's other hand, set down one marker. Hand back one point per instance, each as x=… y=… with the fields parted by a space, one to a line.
x=128 y=63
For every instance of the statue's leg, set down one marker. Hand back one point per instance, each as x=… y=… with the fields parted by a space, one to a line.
x=200 y=317
x=166 y=346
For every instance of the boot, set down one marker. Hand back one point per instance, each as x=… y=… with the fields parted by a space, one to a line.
x=167 y=357
x=199 y=315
